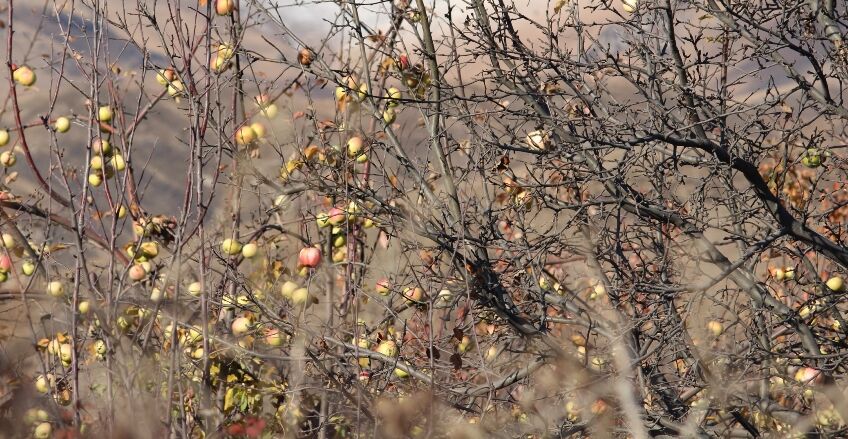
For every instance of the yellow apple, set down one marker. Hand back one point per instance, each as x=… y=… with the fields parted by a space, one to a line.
x=231 y=247
x=104 y=114
x=56 y=288
x=62 y=124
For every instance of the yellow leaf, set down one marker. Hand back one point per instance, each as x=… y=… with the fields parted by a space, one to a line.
x=229 y=399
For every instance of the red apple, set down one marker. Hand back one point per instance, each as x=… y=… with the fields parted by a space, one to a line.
x=5 y=263
x=309 y=257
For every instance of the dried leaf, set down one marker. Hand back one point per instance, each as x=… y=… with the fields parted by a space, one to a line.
x=559 y=5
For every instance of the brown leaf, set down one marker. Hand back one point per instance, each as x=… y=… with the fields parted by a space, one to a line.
x=456 y=361
x=458 y=334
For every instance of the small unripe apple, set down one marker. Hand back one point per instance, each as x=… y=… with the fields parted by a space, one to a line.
x=341 y=94
x=273 y=337
x=101 y=146
x=118 y=163
x=245 y=135
x=53 y=347
x=8 y=159
x=309 y=257
x=122 y=211
x=354 y=146
x=96 y=163
x=364 y=343
x=62 y=124
x=231 y=247
x=413 y=295
x=84 y=307
x=56 y=288
x=393 y=96
x=388 y=348
x=104 y=114
x=258 y=129
x=250 y=250
x=389 y=116
x=175 y=88
x=302 y=271
x=100 y=347
x=9 y=241
x=219 y=64
x=4 y=276
x=149 y=249
x=383 y=287
x=270 y=110
x=43 y=383
x=300 y=296
x=288 y=288
x=226 y=51
x=322 y=219
x=224 y=7
x=835 y=284
x=339 y=241
x=28 y=268
x=156 y=295
x=24 y=75
x=240 y=326
x=715 y=328
x=66 y=353
x=4 y=137
x=137 y=272
x=195 y=289
x=43 y=430
x=95 y=180
x=339 y=255
x=400 y=373
x=165 y=76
